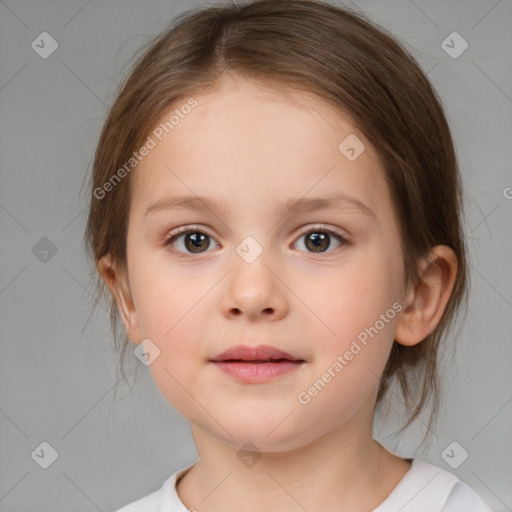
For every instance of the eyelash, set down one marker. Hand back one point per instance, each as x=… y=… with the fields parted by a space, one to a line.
x=320 y=228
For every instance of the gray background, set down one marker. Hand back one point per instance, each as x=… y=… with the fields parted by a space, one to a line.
x=58 y=369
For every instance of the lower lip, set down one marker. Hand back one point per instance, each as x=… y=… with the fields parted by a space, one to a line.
x=257 y=372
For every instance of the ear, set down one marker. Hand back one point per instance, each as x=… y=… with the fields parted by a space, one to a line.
x=425 y=304
x=117 y=282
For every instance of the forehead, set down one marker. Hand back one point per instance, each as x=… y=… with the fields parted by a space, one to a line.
x=247 y=141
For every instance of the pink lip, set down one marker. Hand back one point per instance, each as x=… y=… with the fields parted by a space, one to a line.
x=258 y=353
x=253 y=372
x=256 y=364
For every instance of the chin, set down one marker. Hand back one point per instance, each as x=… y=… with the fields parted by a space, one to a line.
x=263 y=434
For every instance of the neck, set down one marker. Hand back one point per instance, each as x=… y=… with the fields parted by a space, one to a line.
x=357 y=475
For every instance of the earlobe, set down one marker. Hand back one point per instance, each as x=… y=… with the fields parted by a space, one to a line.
x=425 y=305
x=117 y=283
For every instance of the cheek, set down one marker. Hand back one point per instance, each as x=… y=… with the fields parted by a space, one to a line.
x=164 y=293
x=170 y=310
x=356 y=305
x=351 y=353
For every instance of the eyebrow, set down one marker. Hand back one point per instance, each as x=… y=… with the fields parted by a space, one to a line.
x=339 y=201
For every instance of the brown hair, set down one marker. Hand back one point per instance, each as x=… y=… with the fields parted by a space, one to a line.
x=349 y=63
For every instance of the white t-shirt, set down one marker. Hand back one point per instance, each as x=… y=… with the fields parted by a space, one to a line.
x=424 y=488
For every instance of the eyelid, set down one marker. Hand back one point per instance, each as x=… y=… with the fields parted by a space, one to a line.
x=188 y=229
x=323 y=227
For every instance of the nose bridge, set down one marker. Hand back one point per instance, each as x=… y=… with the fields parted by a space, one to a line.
x=253 y=288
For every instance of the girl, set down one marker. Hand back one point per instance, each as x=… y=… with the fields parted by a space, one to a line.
x=276 y=211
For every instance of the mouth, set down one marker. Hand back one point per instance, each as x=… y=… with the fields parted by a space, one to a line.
x=260 y=361
x=261 y=354
x=256 y=365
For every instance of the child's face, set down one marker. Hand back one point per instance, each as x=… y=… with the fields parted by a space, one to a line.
x=251 y=151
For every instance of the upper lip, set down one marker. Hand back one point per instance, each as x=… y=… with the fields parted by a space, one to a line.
x=254 y=353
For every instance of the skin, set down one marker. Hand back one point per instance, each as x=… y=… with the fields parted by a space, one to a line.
x=255 y=147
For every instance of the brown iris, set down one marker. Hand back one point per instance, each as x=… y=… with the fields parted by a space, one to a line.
x=316 y=242
x=195 y=242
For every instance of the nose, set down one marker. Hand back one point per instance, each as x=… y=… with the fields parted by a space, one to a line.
x=255 y=290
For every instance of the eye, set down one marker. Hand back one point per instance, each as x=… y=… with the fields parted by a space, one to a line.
x=195 y=241
x=319 y=238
